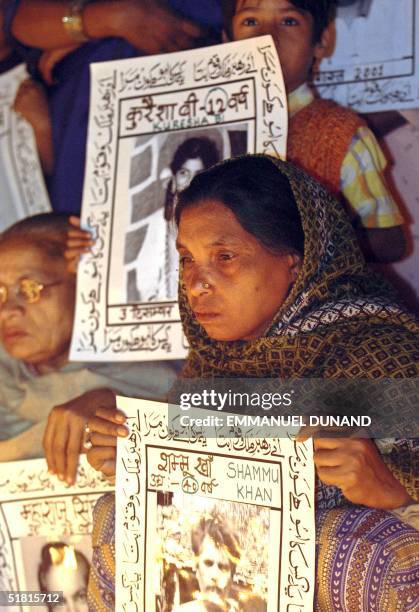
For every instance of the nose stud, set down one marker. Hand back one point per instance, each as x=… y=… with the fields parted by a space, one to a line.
x=205 y=285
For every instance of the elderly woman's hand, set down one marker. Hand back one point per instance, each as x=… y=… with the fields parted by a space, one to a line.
x=64 y=433
x=105 y=427
x=355 y=466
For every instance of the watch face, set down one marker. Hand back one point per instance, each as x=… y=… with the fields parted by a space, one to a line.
x=73 y=21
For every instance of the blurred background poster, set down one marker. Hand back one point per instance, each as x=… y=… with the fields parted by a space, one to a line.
x=45 y=531
x=23 y=191
x=374 y=66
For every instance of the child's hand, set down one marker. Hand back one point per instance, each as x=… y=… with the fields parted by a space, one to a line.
x=78 y=242
x=31 y=103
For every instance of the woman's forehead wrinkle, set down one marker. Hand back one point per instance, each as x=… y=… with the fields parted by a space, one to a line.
x=236 y=237
x=222 y=241
x=23 y=266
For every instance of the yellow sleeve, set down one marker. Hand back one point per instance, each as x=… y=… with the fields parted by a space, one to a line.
x=363 y=184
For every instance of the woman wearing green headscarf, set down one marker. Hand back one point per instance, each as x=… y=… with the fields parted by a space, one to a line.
x=274 y=286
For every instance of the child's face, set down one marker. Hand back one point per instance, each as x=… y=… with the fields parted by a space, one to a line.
x=292 y=31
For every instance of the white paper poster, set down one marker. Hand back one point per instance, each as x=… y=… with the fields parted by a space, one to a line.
x=23 y=191
x=45 y=530
x=374 y=66
x=211 y=518
x=154 y=123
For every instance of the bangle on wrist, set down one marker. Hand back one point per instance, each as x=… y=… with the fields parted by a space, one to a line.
x=73 y=21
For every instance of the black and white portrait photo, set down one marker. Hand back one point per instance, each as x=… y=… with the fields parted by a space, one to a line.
x=160 y=166
x=58 y=565
x=214 y=555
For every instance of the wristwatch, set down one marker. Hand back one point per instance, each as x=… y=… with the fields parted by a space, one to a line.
x=73 y=21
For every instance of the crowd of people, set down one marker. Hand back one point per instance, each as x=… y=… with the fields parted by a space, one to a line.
x=274 y=281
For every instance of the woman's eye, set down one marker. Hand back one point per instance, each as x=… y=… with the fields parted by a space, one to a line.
x=225 y=256
x=185 y=260
x=250 y=22
x=182 y=174
x=289 y=21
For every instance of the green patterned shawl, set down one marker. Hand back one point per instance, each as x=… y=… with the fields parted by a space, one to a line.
x=339 y=319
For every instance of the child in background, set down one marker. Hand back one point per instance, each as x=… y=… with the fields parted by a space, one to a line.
x=329 y=141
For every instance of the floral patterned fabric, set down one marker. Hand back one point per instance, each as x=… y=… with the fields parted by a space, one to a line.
x=101 y=591
x=366 y=560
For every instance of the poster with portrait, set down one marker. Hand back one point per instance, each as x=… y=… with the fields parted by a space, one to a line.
x=211 y=515
x=403 y=146
x=23 y=191
x=45 y=531
x=155 y=122
x=374 y=66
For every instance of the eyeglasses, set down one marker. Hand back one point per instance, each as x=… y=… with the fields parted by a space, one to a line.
x=26 y=290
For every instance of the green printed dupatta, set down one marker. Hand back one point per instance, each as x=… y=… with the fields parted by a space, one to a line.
x=339 y=319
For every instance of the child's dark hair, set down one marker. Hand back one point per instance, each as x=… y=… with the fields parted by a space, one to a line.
x=322 y=11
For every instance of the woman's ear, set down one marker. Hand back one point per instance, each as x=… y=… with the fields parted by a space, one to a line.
x=296 y=263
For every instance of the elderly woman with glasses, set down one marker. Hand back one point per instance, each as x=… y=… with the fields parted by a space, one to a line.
x=44 y=399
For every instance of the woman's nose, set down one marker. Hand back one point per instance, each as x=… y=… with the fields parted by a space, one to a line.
x=200 y=285
x=12 y=305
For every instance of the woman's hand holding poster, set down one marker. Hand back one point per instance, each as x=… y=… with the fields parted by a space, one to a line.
x=211 y=516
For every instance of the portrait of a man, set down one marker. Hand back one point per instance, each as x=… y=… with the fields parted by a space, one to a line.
x=63 y=568
x=217 y=552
